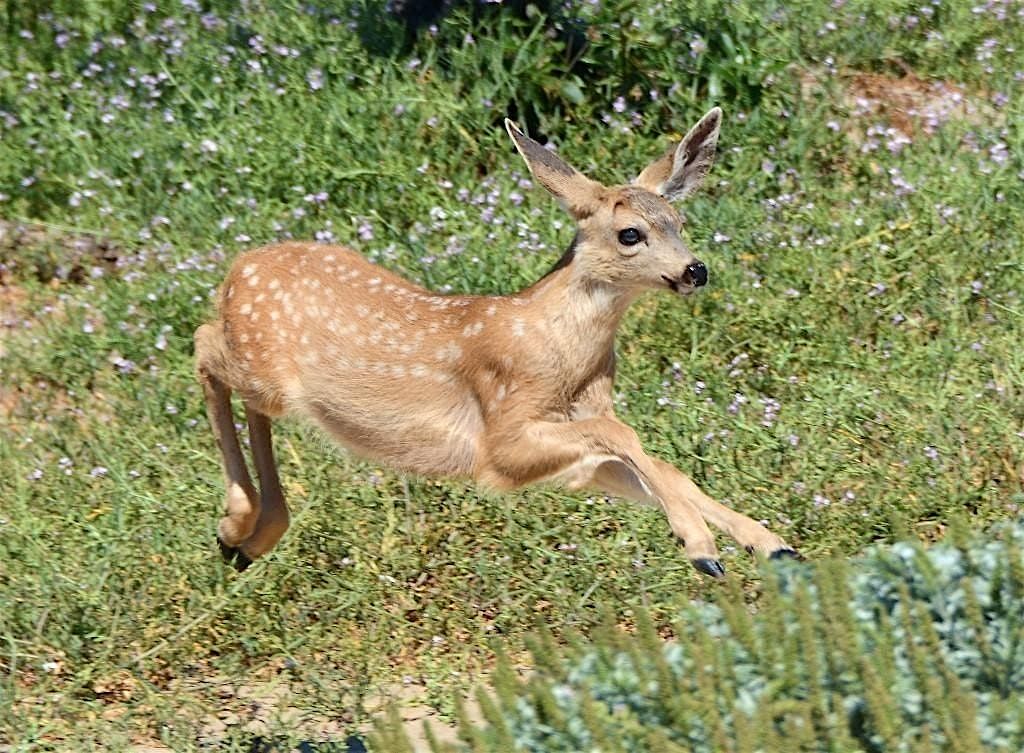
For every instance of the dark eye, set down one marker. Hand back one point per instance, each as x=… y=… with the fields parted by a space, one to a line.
x=630 y=236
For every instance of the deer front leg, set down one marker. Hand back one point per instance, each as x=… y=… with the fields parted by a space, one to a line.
x=605 y=454
x=748 y=533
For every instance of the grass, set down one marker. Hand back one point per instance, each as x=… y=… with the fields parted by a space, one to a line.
x=852 y=374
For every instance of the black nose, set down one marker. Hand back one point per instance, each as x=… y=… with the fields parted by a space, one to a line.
x=698 y=274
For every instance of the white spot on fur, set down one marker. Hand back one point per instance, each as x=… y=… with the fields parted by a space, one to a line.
x=492 y=310
x=419 y=370
x=254 y=281
x=275 y=315
x=249 y=270
x=472 y=329
x=245 y=309
x=499 y=395
x=361 y=310
x=518 y=326
x=449 y=352
x=274 y=284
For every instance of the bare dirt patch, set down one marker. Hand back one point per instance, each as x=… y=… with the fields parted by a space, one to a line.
x=47 y=251
x=255 y=709
x=907 y=103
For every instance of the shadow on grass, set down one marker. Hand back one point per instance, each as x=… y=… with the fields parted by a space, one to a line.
x=264 y=745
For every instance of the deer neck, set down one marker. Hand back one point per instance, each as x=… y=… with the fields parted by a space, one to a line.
x=578 y=316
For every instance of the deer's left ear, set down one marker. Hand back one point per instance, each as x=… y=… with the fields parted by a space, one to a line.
x=681 y=170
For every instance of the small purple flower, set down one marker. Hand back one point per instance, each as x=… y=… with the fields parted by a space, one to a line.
x=98 y=472
x=161 y=339
x=315 y=79
x=931 y=453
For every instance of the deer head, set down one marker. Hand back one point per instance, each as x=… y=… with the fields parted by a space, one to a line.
x=629 y=236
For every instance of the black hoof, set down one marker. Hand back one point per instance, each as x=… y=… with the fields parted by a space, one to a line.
x=786 y=554
x=233 y=556
x=710 y=567
x=227 y=553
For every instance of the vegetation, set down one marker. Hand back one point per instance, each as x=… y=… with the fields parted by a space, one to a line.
x=899 y=650
x=852 y=374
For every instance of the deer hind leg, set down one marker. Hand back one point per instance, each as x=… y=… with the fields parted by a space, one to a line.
x=749 y=534
x=241 y=506
x=273 y=511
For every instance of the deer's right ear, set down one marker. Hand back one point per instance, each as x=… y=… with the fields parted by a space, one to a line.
x=577 y=193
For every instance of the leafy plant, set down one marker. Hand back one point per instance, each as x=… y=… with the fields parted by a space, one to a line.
x=904 y=649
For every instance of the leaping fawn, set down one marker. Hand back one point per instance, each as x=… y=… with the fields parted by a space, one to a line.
x=506 y=390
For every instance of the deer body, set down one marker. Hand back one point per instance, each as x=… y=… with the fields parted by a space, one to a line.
x=506 y=390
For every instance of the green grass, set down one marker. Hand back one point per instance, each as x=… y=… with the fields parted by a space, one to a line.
x=885 y=322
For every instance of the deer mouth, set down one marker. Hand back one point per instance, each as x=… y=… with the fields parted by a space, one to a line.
x=679 y=285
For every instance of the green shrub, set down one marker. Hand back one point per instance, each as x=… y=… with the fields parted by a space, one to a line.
x=903 y=649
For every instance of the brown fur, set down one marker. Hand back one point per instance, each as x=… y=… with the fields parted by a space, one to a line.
x=506 y=390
